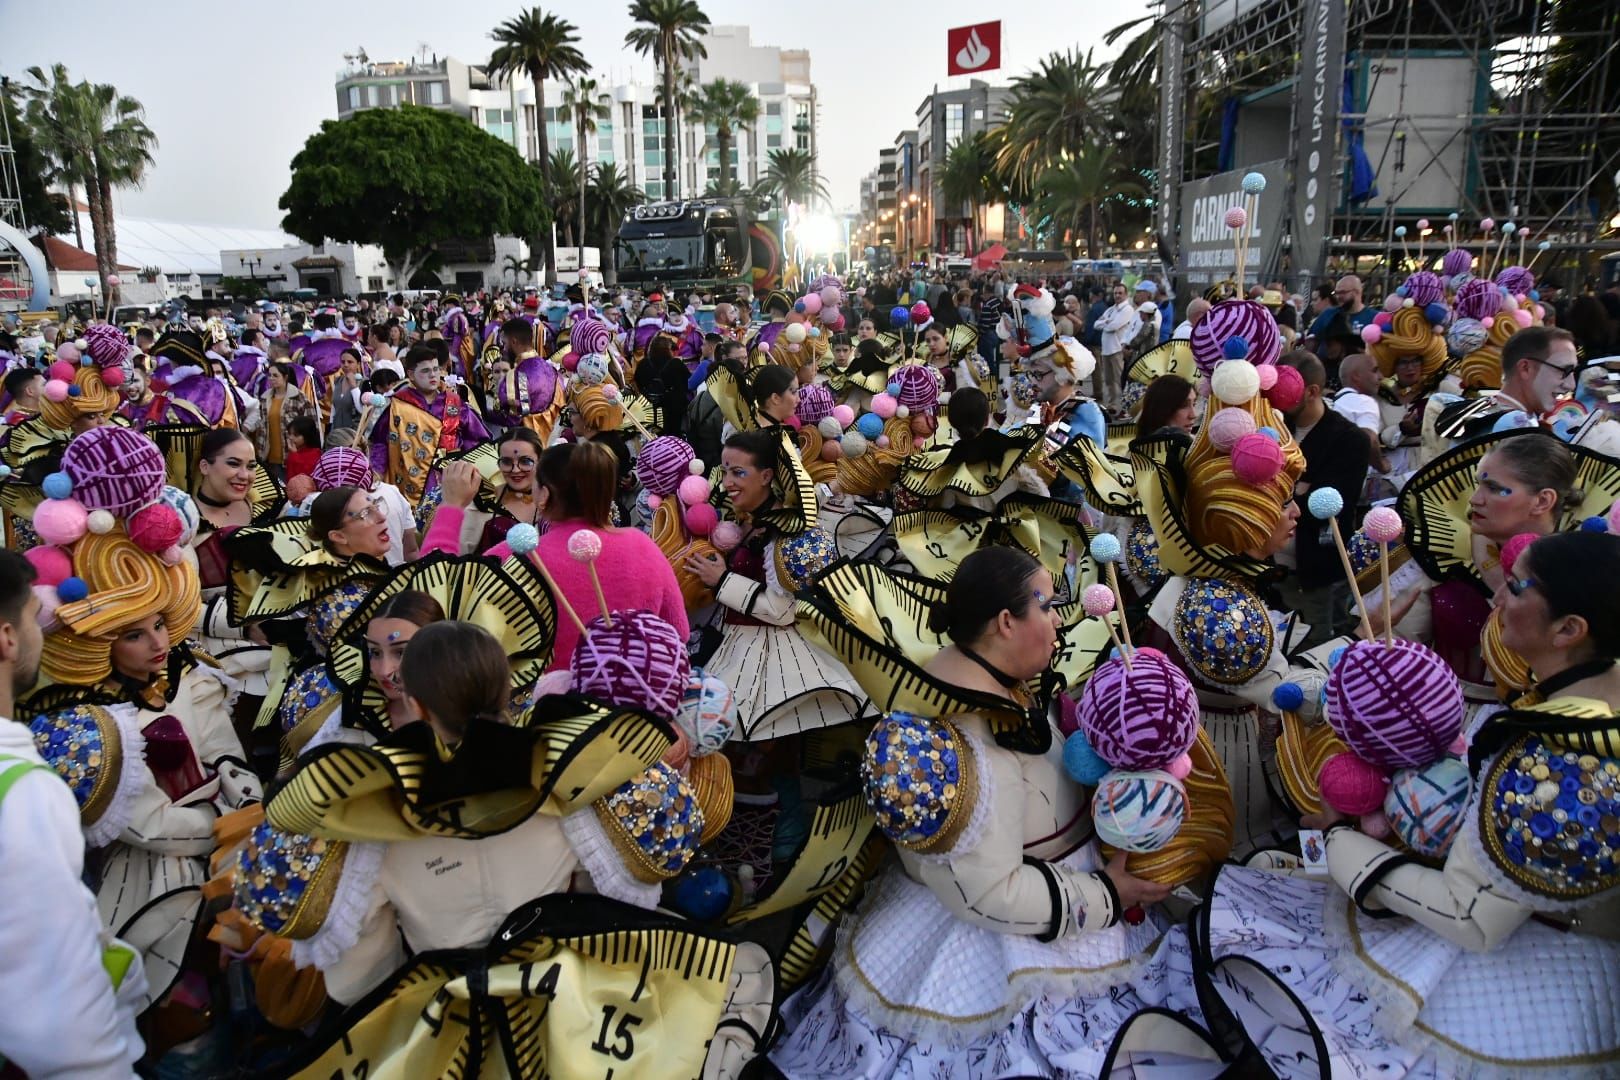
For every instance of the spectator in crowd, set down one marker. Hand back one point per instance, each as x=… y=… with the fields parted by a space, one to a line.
x=1170 y=403
x=1197 y=308
x=1347 y=302
x=1119 y=326
x=1091 y=337
x=1357 y=402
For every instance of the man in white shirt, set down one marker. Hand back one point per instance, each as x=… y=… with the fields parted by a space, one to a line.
x=1357 y=402
x=1118 y=325
x=59 y=1017
x=1196 y=310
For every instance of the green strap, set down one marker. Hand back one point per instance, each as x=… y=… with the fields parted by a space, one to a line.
x=18 y=769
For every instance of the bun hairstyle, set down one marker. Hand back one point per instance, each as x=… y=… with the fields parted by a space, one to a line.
x=458 y=673
x=969 y=411
x=412 y=606
x=1226 y=511
x=326 y=513
x=1578 y=573
x=767 y=381
x=1543 y=462
x=989 y=581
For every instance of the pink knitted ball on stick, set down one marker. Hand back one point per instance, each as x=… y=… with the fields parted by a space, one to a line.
x=1256 y=459
x=1098 y=600
x=1141 y=717
x=1286 y=394
x=1383 y=524
x=1396 y=705
x=584 y=546
x=1236 y=217
x=1350 y=785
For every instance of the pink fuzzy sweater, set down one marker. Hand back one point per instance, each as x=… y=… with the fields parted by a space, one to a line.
x=634 y=574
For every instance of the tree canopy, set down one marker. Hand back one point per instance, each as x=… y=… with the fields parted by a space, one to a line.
x=409 y=178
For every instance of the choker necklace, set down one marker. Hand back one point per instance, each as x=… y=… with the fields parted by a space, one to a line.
x=1549 y=686
x=206 y=501
x=1007 y=681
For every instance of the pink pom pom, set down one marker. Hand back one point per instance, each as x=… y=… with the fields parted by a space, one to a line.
x=1236 y=218
x=610 y=392
x=1541 y=312
x=584 y=546
x=1350 y=785
x=52 y=566
x=830 y=295
x=1229 y=425
x=1393 y=302
x=113 y=281
x=1487 y=224
x=920 y=313
x=1180 y=767
x=793 y=346
x=811 y=302
x=1289 y=390
x=844 y=415
x=61 y=521
x=1384 y=319
x=1488 y=322
x=883 y=404
x=171 y=556
x=156 y=527
x=1372 y=333
x=113 y=377
x=1267 y=374
x=794 y=422
x=1522 y=317
x=1375 y=824
x=571 y=362
x=694 y=490
x=654 y=502
x=62 y=371
x=831 y=451
x=882 y=442
x=1422 y=223
x=68 y=353
x=701 y=519
x=1256 y=459
x=1515 y=547
x=56 y=390
x=726 y=536
x=1382 y=525
x=1097 y=600
x=48 y=603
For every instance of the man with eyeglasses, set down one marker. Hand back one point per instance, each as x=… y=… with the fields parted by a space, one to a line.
x=420 y=422
x=1539 y=369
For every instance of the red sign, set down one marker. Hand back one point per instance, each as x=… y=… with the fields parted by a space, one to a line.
x=973 y=49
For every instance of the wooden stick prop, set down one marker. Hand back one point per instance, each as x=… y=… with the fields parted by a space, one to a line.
x=584 y=546
x=524 y=540
x=1326 y=504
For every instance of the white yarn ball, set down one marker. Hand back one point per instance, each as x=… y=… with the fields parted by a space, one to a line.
x=1235 y=382
x=829 y=427
x=854 y=444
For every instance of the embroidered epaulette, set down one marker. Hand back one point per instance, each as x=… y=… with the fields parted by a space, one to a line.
x=1223 y=630
x=654 y=821
x=284 y=883
x=799 y=558
x=327 y=611
x=309 y=697
x=920 y=780
x=99 y=758
x=1142 y=554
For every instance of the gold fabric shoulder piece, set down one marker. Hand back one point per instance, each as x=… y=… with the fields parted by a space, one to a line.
x=1109 y=479
x=839 y=829
x=930 y=472
x=1174 y=357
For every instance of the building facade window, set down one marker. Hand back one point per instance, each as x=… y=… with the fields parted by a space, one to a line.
x=801 y=125
x=435 y=93
x=374 y=284
x=498 y=122
x=953 y=123
x=371 y=95
x=354 y=97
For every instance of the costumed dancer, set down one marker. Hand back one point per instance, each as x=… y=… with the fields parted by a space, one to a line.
x=531 y=392
x=458 y=334
x=419 y=423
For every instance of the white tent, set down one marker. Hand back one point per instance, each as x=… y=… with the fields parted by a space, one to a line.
x=179 y=249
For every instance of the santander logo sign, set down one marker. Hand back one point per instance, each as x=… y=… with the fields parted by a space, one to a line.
x=973 y=48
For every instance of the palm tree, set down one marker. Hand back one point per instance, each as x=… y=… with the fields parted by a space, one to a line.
x=514 y=266
x=726 y=104
x=1075 y=190
x=98 y=138
x=563 y=189
x=682 y=106
x=583 y=103
x=791 y=176
x=542 y=47
x=968 y=176
x=1059 y=104
x=612 y=196
x=670 y=31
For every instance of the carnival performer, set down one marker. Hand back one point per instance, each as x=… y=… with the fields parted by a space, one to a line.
x=982 y=467
x=345 y=466
x=458 y=335
x=1399 y=965
x=420 y=422
x=530 y=392
x=997 y=868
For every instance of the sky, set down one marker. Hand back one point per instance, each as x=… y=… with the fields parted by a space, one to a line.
x=233 y=90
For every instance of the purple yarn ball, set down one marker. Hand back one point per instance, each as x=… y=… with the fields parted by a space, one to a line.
x=815 y=403
x=662 y=464
x=1235 y=318
x=589 y=335
x=1143 y=717
x=1478 y=299
x=1425 y=288
x=639 y=662
x=1516 y=280
x=1456 y=261
x=1396 y=706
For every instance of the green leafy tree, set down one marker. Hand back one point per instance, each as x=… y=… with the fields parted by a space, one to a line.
x=400 y=178
x=727 y=105
x=44 y=211
x=670 y=31
x=1079 y=188
x=586 y=108
x=791 y=176
x=1058 y=104
x=611 y=197
x=542 y=47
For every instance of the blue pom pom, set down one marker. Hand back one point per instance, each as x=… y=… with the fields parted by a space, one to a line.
x=703 y=894
x=1288 y=697
x=1269 y=432
x=1083 y=764
x=1596 y=523
x=71 y=590
x=58 y=485
x=870 y=425
x=1236 y=348
x=1436 y=313
x=1113 y=652
x=75 y=390
x=1325 y=502
x=1253 y=183
x=1335 y=656
x=1545 y=245
x=899 y=316
x=893 y=389
x=1534 y=294
x=86 y=360
x=522 y=538
x=1401 y=291
x=798 y=306
x=1400 y=230
x=1105 y=547
x=5 y=471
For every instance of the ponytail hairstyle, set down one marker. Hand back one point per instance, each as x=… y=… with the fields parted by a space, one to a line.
x=989 y=581
x=766 y=382
x=1544 y=463
x=457 y=672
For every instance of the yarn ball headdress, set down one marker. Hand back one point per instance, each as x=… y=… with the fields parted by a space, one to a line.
x=77 y=385
x=1410 y=333
x=1237 y=493
x=1244 y=320
x=638 y=662
x=598 y=409
x=343 y=466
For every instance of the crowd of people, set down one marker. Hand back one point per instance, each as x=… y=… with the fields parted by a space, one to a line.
x=886 y=677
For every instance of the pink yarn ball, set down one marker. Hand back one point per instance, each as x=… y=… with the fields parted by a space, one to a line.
x=1541 y=312
x=795 y=423
x=1384 y=319
x=69 y=353
x=52 y=566
x=884 y=404
x=1236 y=217
x=920 y=313
x=1267 y=374
x=844 y=415
x=1382 y=524
x=61 y=521
x=726 y=536
x=571 y=362
x=1516 y=544
x=1181 y=767
x=1098 y=600
x=830 y=316
x=882 y=442
x=830 y=295
x=62 y=371
x=1375 y=824
x=48 y=603
x=654 y=502
x=56 y=390
x=1256 y=459
x=172 y=556
x=1350 y=785
x=1488 y=322
x=584 y=546
x=1139 y=717
x=1289 y=390
x=155 y=528
x=113 y=377
x=701 y=519
x=1396 y=706
x=1229 y=425
x=1372 y=334
x=1487 y=224
x=831 y=451
x=1522 y=317
x=812 y=303
x=1393 y=302
x=694 y=490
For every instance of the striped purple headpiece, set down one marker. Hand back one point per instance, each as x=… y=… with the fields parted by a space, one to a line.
x=663 y=464
x=1516 y=280
x=1143 y=717
x=1456 y=261
x=1477 y=299
x=919 y=387
x=106 y=344
x=1424 y=288
x=1235 y=319
x=815 y=402
x=639 y=662
x=589 y=335
x=343 y=466
x=115 y=469
x=1397 y=706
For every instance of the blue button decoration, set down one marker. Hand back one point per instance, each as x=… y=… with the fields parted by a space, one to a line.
x=658 y=814
x=913 y=779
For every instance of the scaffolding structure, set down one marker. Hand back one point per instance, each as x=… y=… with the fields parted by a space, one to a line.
x=1541 y=146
